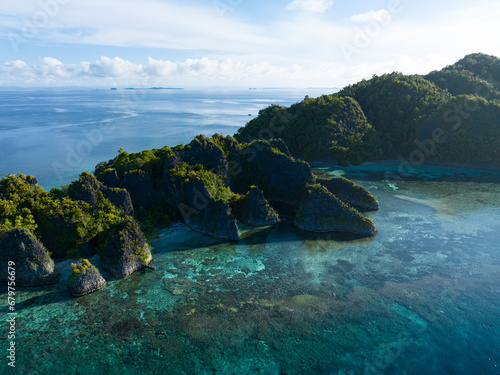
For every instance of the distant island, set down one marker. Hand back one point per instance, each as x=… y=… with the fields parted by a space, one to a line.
x=451 y=116
x=149 y=88
x=447 y=116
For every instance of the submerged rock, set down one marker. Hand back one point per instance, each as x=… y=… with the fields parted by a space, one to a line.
x=125 y=249
x=321 y=211
x=85 y=279
x=32 y=263
x=254 y=209
x=349 y=192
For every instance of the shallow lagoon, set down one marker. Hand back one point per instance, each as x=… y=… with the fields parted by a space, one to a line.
x=422 y=297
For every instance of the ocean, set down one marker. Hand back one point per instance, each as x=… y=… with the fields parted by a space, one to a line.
x=56 y=134
x=421 y=297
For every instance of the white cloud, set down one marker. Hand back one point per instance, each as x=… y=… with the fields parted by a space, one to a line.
x=209 y=69
x=51 y=62
x=161 y=68
x=53 y=69
x=380 y=15
x=117 y=71
x=310 y=6
x=112 y=68
x=18 y=65
x=285 y=51
x=203 y=72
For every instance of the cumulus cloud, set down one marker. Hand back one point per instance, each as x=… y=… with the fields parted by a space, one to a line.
x=234 y=42
x=106 y=72
x=112 y=68
x=15 y=65
x=310 y=6
x=209 y=68
x=117 y=71
x=372 y=15
x=53 y=69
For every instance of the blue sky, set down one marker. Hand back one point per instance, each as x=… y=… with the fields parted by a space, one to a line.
x=235 y=43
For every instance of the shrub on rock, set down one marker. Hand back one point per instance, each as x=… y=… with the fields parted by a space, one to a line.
x=321 y=211
x=124 y=249
x=254 y=209
x=84 y=279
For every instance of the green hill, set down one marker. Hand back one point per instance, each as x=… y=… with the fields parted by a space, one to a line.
x=483 y=66
x=396 y=105
x=392 y=116
x=326 y=127
x=473 y=75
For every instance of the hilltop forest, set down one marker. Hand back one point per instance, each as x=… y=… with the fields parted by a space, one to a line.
x=446 y=116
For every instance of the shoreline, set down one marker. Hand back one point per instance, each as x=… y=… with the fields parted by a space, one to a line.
x=431 y=164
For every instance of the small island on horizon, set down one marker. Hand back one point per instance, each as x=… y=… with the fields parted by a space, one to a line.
x=149 y=88
x=212 y=183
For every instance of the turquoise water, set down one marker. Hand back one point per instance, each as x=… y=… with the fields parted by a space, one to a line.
x=421 y=297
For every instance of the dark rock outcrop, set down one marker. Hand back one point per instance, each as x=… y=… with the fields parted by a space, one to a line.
x=85 y=189
x=141 y=189
x=203 y=214
x=254 y=209
x=204 y=151
x=349 y=192
x=199 y=181
x=109 y=177
x=281 y=178
x=281 y=146
x=33 y=264
x=120 y=198
x=85 y=279
x=172 y=162
x=321 y=211
x=125 y=249
x=31 y=180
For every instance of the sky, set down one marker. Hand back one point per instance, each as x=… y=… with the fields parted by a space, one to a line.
x=236 y=43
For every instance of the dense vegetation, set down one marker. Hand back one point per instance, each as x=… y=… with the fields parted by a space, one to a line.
x=396 y=105
x=24 y=204
x=447 y=116
x=202 y=183
x=328 y=126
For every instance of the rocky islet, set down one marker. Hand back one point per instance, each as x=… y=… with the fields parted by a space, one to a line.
x=210 y=183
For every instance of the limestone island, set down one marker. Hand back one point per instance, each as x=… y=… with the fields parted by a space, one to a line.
x=210 y=184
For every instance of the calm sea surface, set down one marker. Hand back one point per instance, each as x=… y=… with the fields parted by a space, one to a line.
x=421 y=297
x=55 y=135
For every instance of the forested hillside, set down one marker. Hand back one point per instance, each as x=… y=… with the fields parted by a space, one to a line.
x=449 y=116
